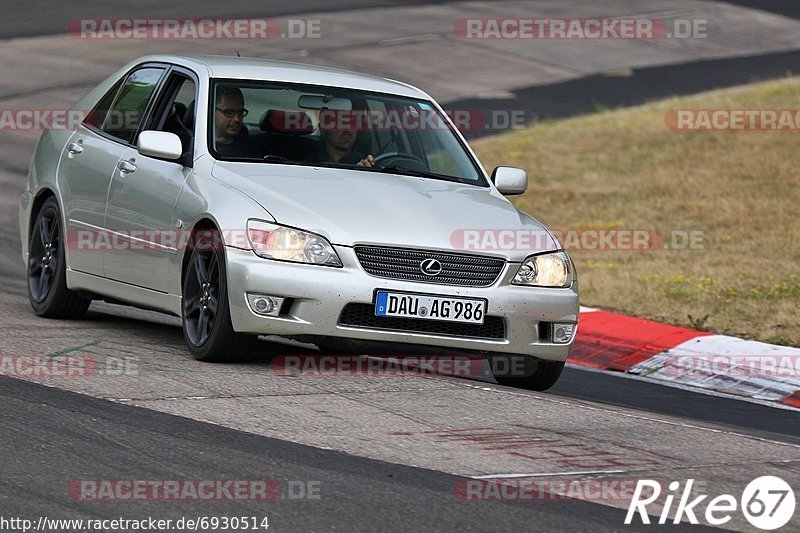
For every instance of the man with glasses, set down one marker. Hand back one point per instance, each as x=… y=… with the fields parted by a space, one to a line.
x=229 y=113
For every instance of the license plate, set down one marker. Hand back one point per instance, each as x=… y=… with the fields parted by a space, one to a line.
x=430 y=307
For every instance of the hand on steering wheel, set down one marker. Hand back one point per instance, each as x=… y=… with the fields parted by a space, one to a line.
x=389 y=159
x=368 y=161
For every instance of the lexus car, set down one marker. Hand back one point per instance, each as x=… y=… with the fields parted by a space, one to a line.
x=254 y=197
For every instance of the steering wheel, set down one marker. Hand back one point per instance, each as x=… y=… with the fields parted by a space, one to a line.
x=389 y=159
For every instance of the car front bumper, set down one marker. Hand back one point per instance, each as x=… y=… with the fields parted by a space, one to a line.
x=319 y=294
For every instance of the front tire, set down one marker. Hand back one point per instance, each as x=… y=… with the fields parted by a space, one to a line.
x=206 y=317
x=47 y=268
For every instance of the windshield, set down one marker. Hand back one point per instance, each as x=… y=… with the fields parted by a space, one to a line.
x=313 y=125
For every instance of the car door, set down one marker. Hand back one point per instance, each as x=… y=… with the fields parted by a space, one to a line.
x=144 y=191
x=84 y=174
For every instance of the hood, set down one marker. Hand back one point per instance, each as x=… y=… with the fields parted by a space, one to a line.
x=350 y=207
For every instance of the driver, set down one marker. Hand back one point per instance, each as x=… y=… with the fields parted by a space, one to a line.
x=337 y=143
x=229 y=113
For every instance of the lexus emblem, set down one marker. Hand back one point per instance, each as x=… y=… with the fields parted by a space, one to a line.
x=430 y=267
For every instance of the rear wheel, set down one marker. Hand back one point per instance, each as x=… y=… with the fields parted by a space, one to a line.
x=207 y=326
x=47 y=268
x=524 y=372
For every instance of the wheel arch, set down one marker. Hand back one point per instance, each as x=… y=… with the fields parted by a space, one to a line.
x=204 y=223
x=41 y=197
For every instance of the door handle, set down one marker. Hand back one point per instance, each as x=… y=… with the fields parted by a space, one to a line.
x=75 y=149
x=126 y=167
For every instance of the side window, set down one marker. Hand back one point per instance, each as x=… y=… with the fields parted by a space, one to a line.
x=175 y=109
x=124 y=118
x=186 y=94
x=97 y=116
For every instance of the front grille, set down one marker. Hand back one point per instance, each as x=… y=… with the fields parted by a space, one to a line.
x=363 y=316
x=457 y=269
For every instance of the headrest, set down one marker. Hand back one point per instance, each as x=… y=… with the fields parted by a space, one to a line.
x=180 y=110
x=290 y=122
x=188 y=117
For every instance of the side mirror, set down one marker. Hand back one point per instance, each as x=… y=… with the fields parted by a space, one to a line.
x=160 y=144
x=510 y=180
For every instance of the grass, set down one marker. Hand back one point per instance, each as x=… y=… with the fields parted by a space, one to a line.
x=625 y=169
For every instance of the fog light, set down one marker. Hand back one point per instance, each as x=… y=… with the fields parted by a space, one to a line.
x=562 y=333
x=264 y=305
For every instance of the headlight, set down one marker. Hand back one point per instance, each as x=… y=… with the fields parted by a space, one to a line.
x=546 y=270
x=288 y=244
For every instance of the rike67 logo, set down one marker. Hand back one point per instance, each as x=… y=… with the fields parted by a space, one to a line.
x=767 y=502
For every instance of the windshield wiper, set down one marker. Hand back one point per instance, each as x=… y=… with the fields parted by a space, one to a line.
x=393 y=169
x=279 y=159
x=270 y=158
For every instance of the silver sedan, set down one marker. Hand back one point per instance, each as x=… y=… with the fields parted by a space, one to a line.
x=253 y=197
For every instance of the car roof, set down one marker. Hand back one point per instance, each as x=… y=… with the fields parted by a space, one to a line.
x=274 y=70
